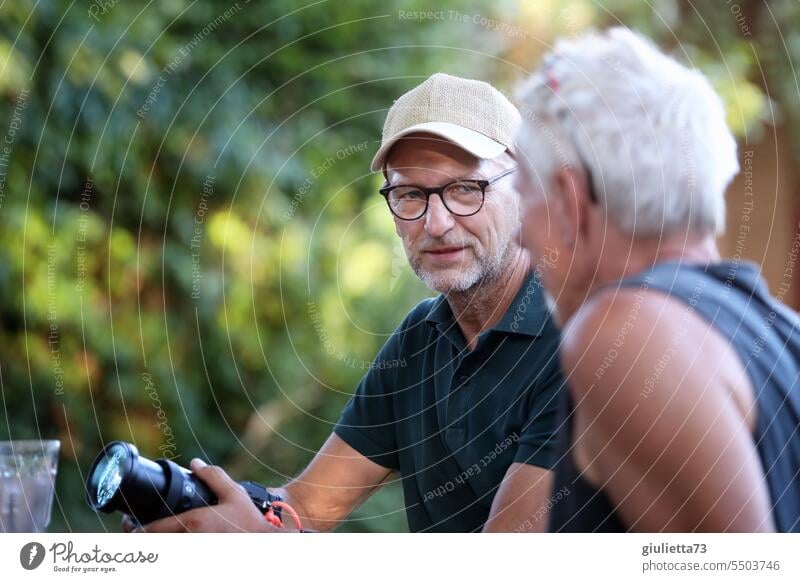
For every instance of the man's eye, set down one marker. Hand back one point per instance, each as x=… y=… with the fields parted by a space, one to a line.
x=411 y=195
x=465 y=188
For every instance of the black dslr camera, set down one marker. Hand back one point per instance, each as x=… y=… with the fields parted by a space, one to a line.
x=121 y=480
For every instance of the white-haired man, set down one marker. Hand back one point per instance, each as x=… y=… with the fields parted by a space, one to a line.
x=683 y=406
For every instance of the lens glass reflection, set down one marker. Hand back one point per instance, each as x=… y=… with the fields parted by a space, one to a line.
x=110 y=471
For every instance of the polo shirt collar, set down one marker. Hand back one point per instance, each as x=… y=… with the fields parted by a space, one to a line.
x=527 y=314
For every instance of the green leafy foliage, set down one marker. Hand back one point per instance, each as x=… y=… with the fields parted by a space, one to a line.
x=193 y=256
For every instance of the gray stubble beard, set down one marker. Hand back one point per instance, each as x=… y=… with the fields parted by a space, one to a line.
x=481 y=273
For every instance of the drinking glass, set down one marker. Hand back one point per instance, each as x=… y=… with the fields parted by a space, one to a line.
x=27 y=483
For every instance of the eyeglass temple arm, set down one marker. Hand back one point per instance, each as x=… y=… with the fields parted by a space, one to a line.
x=503 y=175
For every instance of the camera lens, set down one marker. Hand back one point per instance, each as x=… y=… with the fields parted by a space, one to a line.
x=121 y=480
x=110 y=475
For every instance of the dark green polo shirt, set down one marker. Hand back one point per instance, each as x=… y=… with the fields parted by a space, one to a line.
x=452 y=421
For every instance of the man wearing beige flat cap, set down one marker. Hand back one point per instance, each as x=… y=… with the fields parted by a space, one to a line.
x=467 y=424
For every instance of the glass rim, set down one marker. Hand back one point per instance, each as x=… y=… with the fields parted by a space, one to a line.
x=26 y=443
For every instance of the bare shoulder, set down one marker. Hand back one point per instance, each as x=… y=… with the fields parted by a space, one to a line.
x=637 y=347
x=663 y=415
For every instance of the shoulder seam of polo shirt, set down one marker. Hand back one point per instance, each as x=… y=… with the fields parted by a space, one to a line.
x=357 y=437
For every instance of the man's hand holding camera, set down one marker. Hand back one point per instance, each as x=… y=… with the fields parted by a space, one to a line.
x=234 y=512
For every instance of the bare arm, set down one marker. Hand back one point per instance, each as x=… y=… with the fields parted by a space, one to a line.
x=665 y=430
x=521 y=502
x=337 y=480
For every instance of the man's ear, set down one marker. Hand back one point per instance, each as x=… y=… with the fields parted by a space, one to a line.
x=574 y=200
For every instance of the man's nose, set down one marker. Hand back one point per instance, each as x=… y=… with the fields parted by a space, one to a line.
x=438 y=219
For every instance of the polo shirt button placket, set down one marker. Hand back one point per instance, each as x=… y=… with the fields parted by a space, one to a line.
x=456 y=431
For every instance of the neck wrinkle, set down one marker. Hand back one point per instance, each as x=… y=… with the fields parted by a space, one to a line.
x=701 y=252
x=479 y=308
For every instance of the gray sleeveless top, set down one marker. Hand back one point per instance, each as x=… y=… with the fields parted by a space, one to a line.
x=765 y=334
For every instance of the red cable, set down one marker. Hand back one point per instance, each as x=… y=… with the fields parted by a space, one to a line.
x=288 y=508
x=272 y=518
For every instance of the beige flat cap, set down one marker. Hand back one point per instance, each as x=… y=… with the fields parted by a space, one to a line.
x=472 y=114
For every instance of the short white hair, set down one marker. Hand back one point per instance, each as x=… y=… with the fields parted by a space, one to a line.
x=650 y=131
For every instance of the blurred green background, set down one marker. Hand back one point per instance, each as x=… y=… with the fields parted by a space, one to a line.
x=193 y=255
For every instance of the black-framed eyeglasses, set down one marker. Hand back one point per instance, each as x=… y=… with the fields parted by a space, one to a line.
x=460 y=197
